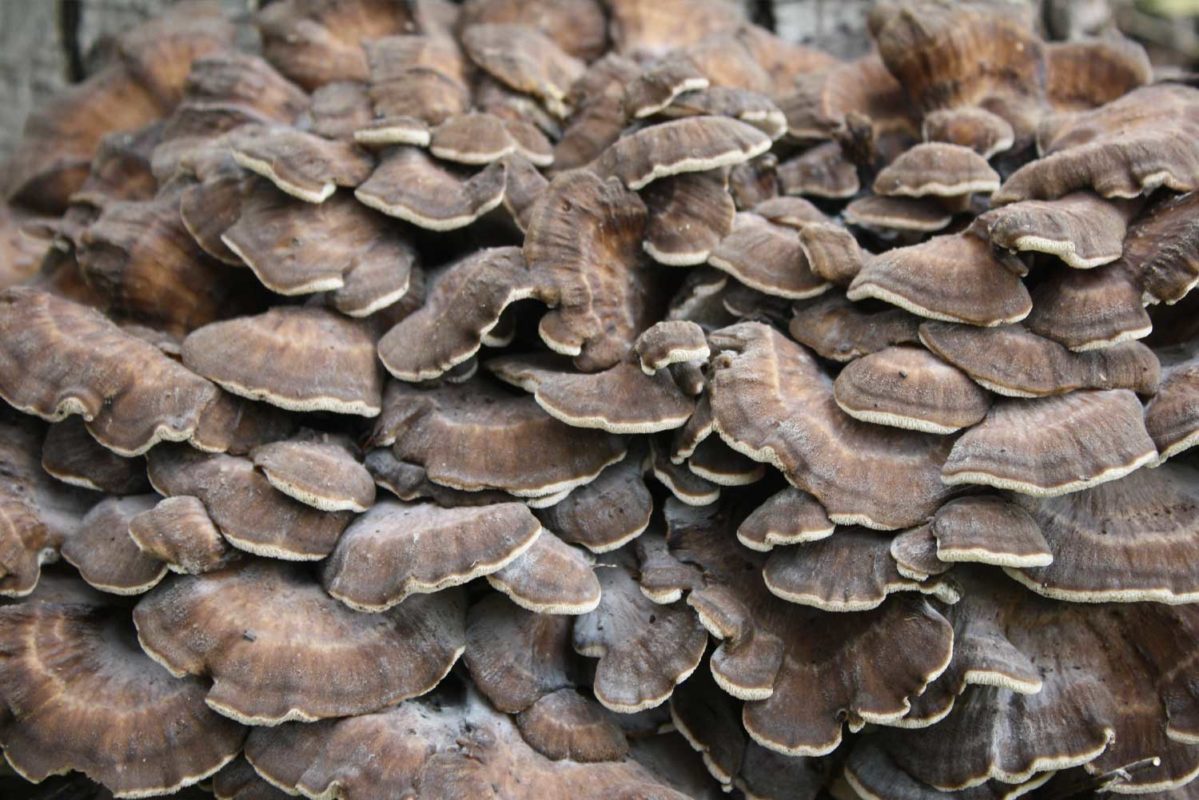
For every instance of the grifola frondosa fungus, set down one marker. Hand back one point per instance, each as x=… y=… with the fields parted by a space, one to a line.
x=869 y=493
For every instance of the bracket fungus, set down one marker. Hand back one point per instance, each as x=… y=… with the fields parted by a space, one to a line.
x=743 y=418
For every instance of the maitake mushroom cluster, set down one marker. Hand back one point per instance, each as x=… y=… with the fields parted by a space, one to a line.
x=490 y=401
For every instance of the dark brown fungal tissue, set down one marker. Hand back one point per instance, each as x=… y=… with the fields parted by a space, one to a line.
x=606 y=400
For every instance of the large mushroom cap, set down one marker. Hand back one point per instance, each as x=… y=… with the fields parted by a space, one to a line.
x=179 y=532
x=936 y=169
x=1081 y=229
x=409 y=185
x=278 y=648
x=70 y=454
x=691 y=144
x=321 y=474
x=104 y=552
x=985 y=529
x=297 y=358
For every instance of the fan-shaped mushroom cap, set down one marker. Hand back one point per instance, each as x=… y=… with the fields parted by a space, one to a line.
x=716 y=462
x=436 y=750
x=661 y=84
x=564 y=724
x=1128 y=540
x=278 y=648
x=396 y=550
x=1160 y=249
x=831 y=251
x=822 y=171
x=767 y=257
x=71 y=675
x=691 y=144
x=980 y=130
x=936 y=169
x=621 y=399
x=475 y=436
x=688 y=215
x=1081 y=229
x=1112 y=693
x=954 y=277
x=576 y=26
x=898 y=213
x=818 y=104
x=1054 y=445
x=297 y=358
x=71 y=455
x=1089 y=309
x=759 y=378
x=1011 y=360
x=302 y=164
x=907 y=387
x=915 y=554
x=852 y=571
x=525 y=60
x=550 y=577
x=410 y=482
x=644 y=649
x=130 y=394
x=210 y=207
x=841 y=331
x=401 y=57
x=671 y=342
x=297 y=248
x=1172 y=416
x=1127 y=147
x=985 y=529
x=249 y=512
x=231 y=77
x=234 y=425
x=644 y=28
x=237 y=780
x=481 y=138
x=105 y=554
x=793 y=212
x=607 y=512
x=787 y=517
x=410 y=185
x=686 y=486
x=179 y=532
x=321 y=474
x=727 y=101
x=874 y=775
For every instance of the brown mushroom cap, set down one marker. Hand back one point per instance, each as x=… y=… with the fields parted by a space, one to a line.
x=235 y=425
x=671 y=342
x=302 y=164
x=955 y=277
x=1127 y=147
x=1172 y=416
x=832 y=252
x=179 y=532
x=787 y=517
x=247 y=510
x=396 y=550
x=475 y=436
x=920 y=215
x=717 y=463
x=1081 y=229
x=72 y=675
x=621 y=399
x=297 y=358
x=550 y=577
x=688 y=216
x=237 y=780
x=915 y=554
x=410 y=482
x=822 y=171
x=1124 y=541
x=576 y=26
x=1160 y=249
x=1089 y=309
x=526 y=60
x=130 y=394
x=976 y=128
x=1012 y=361
x=564 y=724
x=644 y=649
x=936 y=169
x=687 y=486
x=481 y=138
x=278 y=648
x=606 y=513
x=842 y=331
x=985 y=529
x=410 y=185
x=767 y=257
x=1054 y=445
x=907 y=387
x=70 y=454
x=662 y=83
x=691 y=144
x=759 y=379
x=872 y=774
x=105 y=554
x=321 y=474
x=748 y=106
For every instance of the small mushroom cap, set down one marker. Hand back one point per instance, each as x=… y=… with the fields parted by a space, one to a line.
x=1160 y=247
x=297 y=358
x=686 y=486
x=129 y=394
x=475 y=436
x=237 y=780
x=822 y=171
x=608 y=512
x=671 y=342
x=976 y=128
x=247 y=510
x=915 y=554
x=688 y=216
x=209 y=208
x=410 y=482
x=564 y=724
x=396 y=550
x=320 y=474
x=576 y=26
x=425 y=94
x=550 y=577
x=235 y=425
x=105 y=554
x=691 y=144
x=409 y=185
x=1087 y=73
x=644 y=649
x=302 y=164
x=954 y=277
x=716 y=462
x=395 y=58
x=793 y=212
x=919 y=215
x=872 y=773
x=392 y=130
x=842 y=331
x=748 y=106
x=525 y=60
x=340 y=108
x=937 y=169
x=908 y=387
x=787 y=517
x=70 y=454
x=767 y=257
x=985 y=529
x=621 y=399
x=278 y=648
x=1013 y=361
x=1081 y=229
x=759 y=379
x=1172 y=416
x=228 y=76
x=1089 y=309
x=832 y=252
x=72 y=676
x=1054 y=445
x=179 y=532
x=1128 y=540
x=852 y=571
x=473 y=138
x=661 y=84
